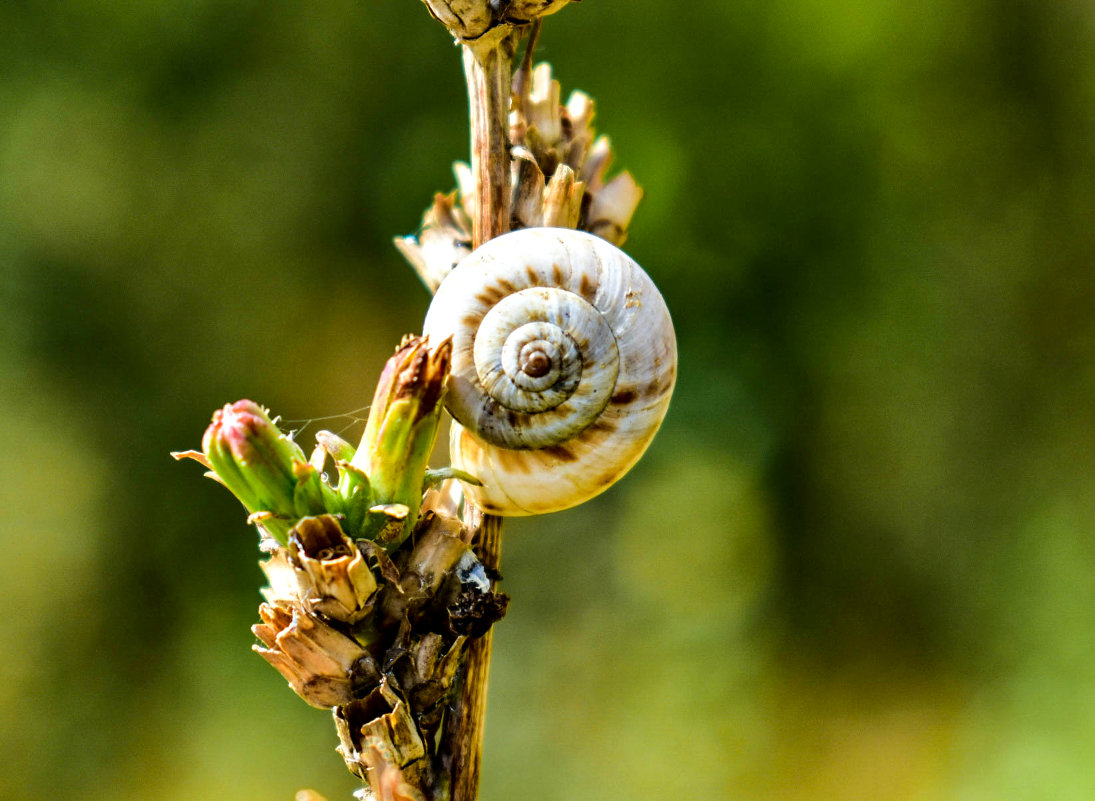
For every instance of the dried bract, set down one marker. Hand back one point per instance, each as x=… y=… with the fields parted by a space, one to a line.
x=466 y=19
x=283 y=579
x=559 y=169
x=382 y=721
x=340 y=583
x=561 y=143
x=470 y=21
x=322 y=665
x=445 y=238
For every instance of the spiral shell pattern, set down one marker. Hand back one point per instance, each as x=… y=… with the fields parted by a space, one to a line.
x=564 y=360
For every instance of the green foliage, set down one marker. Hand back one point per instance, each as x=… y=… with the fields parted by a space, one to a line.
x=857 y=562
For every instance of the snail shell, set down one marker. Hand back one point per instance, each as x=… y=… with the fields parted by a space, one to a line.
x=564 y=360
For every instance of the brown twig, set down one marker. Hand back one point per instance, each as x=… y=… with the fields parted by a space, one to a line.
x=489 y=73
x=464 y=728
x=550 y=193
x=488 y=69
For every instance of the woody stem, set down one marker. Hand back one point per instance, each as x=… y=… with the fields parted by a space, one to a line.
x=489 y=73
x=488 y=70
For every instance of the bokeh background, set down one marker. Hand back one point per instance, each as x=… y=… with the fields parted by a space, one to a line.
x=858 y=562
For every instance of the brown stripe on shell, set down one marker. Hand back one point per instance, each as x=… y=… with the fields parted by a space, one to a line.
x=557 y=275
x=491 y=294
x=624 y=396
x=471 y=447
x=602 y=425
x=560 y=452
x=587 y=287
x=661 y=384
x=608 y=478
x=511 y=461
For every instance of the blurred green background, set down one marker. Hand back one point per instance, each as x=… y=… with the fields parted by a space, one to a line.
x=858 y=562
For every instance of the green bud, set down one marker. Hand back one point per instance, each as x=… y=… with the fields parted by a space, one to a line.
x=309 y=497
x=336 y=446
x=356 y=496
x=261 y=466
x=400 y=433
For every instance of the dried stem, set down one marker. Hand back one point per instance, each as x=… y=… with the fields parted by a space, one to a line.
x=489 y=74
x=488 y=69
x=560 y=167
x=465 y=726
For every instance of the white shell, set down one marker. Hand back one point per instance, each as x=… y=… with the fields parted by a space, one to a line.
x=564 y=360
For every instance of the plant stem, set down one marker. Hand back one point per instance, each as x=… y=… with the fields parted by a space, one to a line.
x=488 y=70
x=466 y=724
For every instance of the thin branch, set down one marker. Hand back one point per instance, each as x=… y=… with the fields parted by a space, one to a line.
x=464 y=729
x=488 y=69
x=489 y=73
